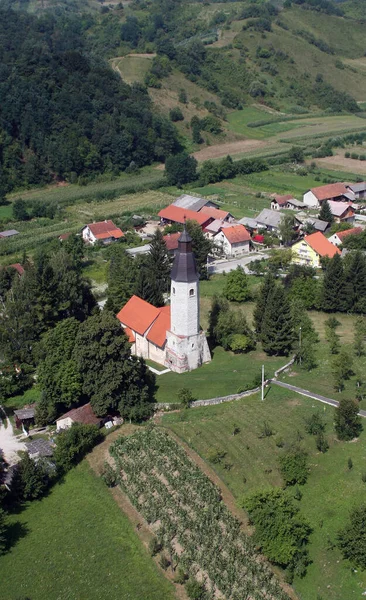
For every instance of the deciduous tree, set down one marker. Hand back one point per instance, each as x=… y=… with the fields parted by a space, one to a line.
x=347 y=423
x=236 y=286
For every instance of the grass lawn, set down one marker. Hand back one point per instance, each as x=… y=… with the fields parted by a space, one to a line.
x=96 y=270
x=226 y=374
x=79 y=545
x=6 y=211
x=251 y=463
x=29 y=397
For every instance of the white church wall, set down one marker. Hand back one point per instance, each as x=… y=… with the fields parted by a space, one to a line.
x=184 y=308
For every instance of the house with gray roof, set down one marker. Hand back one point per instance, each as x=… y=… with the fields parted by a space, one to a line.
x=8 y=233
x=193 y=202
x=39 y=448
x=269 y=219
x=359 y=189
x=317 y=224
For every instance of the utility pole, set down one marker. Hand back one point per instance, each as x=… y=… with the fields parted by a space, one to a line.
x=300 y=343
x=262 y=383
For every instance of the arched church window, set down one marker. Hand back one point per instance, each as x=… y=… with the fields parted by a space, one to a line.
x=191 y=292
x=173 y=291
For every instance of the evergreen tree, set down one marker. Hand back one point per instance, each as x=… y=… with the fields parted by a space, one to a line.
x=112 y=378
x=218 y=305
x=359 y=336
x=333 y=290
x=146 y=288
x=355 y=283
x=277 y=332
x=262 y=301
x=352 y=539
x=347 y=423
x=201 y=247
x=122 y=275
x=304 y=334
x=325 y=212
x=159 y=264
x=236 y=286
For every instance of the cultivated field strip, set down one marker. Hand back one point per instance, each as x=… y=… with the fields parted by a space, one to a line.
x=186 y=512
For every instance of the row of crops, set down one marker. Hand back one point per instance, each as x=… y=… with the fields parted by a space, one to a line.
x=191 y=522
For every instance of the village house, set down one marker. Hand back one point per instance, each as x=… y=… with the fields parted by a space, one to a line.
x=316 y=224
x=217 y=214
x=105 y=232
x=338 y=238
x=311 y=249
x=249 y=223
x=337 y=192
x=194 y=203
x=170 y=335
x=358 y=189
x=175 y=214
x=171 y=241
x=82 y=414
x=217 y=225
x=233 y=241
x=343 y=212
x=286 y=202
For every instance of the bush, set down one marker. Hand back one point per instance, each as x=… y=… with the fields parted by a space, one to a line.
x=74 y=443
x=154 y=546
x=195 y=590
x=293 y=466
x=109 y=475
x=352 y=539
x=175 y=114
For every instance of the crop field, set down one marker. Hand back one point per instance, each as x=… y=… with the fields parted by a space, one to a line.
x=249 y=462
x=77 y=544
x=338 y=161
x=191 y=522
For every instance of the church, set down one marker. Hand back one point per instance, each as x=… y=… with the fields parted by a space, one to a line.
x=170 y=335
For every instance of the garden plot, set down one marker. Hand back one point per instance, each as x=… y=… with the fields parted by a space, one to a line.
x=190 y=521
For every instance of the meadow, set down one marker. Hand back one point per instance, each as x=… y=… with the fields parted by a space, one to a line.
x=250 y=462
x=76 y=544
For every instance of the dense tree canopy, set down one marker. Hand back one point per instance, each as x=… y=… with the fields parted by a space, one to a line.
x=63 y=111
x=352 y=539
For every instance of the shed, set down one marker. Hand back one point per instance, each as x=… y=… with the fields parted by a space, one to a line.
x=39 y=448
x=83 y=414
x=24 y=416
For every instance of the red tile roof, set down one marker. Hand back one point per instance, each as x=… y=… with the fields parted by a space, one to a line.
x=319 y=243
x=180 y=215
x=283 y=199
x=138 y=315
x=353 y=231
x=216 y=213
x=83 y=414
x=236 y=234
x=64 y=236
x=130 y=334
x=105 y=229
x=332 y=190
x=157 y=333
x=18 y=267
x=171 y=240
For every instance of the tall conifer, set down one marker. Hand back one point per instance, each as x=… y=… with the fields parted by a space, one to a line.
x=333 y=292
x=277 y=330
x=260 y=307
x=325 y=212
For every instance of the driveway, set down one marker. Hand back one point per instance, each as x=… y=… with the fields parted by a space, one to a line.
x=219 y=266
x=9 y=443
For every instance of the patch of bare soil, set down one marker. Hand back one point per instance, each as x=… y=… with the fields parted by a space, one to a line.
x=340 y=162
x=293 y=402
x=231 y=148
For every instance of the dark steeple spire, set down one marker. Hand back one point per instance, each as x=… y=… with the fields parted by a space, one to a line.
x=184 y=265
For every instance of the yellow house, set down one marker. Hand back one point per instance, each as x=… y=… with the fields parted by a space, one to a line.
x=311 y=249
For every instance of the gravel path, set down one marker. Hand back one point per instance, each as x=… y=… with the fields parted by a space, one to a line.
x=9 y=443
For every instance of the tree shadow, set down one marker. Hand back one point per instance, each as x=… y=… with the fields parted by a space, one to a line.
x=13 y=533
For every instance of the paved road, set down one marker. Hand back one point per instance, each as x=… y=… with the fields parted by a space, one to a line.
x=219 y=266
x=303 y=392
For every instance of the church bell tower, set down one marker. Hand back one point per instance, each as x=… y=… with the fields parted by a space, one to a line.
x=187 y=346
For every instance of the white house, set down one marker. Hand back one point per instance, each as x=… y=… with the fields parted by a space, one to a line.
x=338 y=238
x=170 y=335
x=83 y=414
x=104 y=231
x=233 y=240
x=333 y=191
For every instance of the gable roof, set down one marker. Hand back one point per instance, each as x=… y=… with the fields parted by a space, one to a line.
x=297 y=203
x=249 y=222
x=171 y=240
x=282 y=200
x=332 y=190
x=216 y=225
x=105 y=229
x=138 y=315
x=339 y=208
x=354 y=231
x=357 y=187
x=18 y=267
x=316 y=223
x=82 y=414
x=216 y=213
x=191 y=202
x=39 y=447
x=319 y=243
x=180 y=215
x=269 y=217
x=236 y=234
x=157 y=333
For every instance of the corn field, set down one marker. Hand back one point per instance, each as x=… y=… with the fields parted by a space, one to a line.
x=190 y=521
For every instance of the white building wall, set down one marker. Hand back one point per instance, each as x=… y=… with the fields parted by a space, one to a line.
x=64 y=423
x=186 y=354
x=184 y=308
x=310 y=199
x=334 y=239
x=87 y=236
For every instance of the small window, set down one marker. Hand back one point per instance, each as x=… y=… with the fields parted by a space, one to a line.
x=191 y=292
x=173 y=291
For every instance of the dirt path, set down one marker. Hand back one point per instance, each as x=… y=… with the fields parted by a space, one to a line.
x=96 y=460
